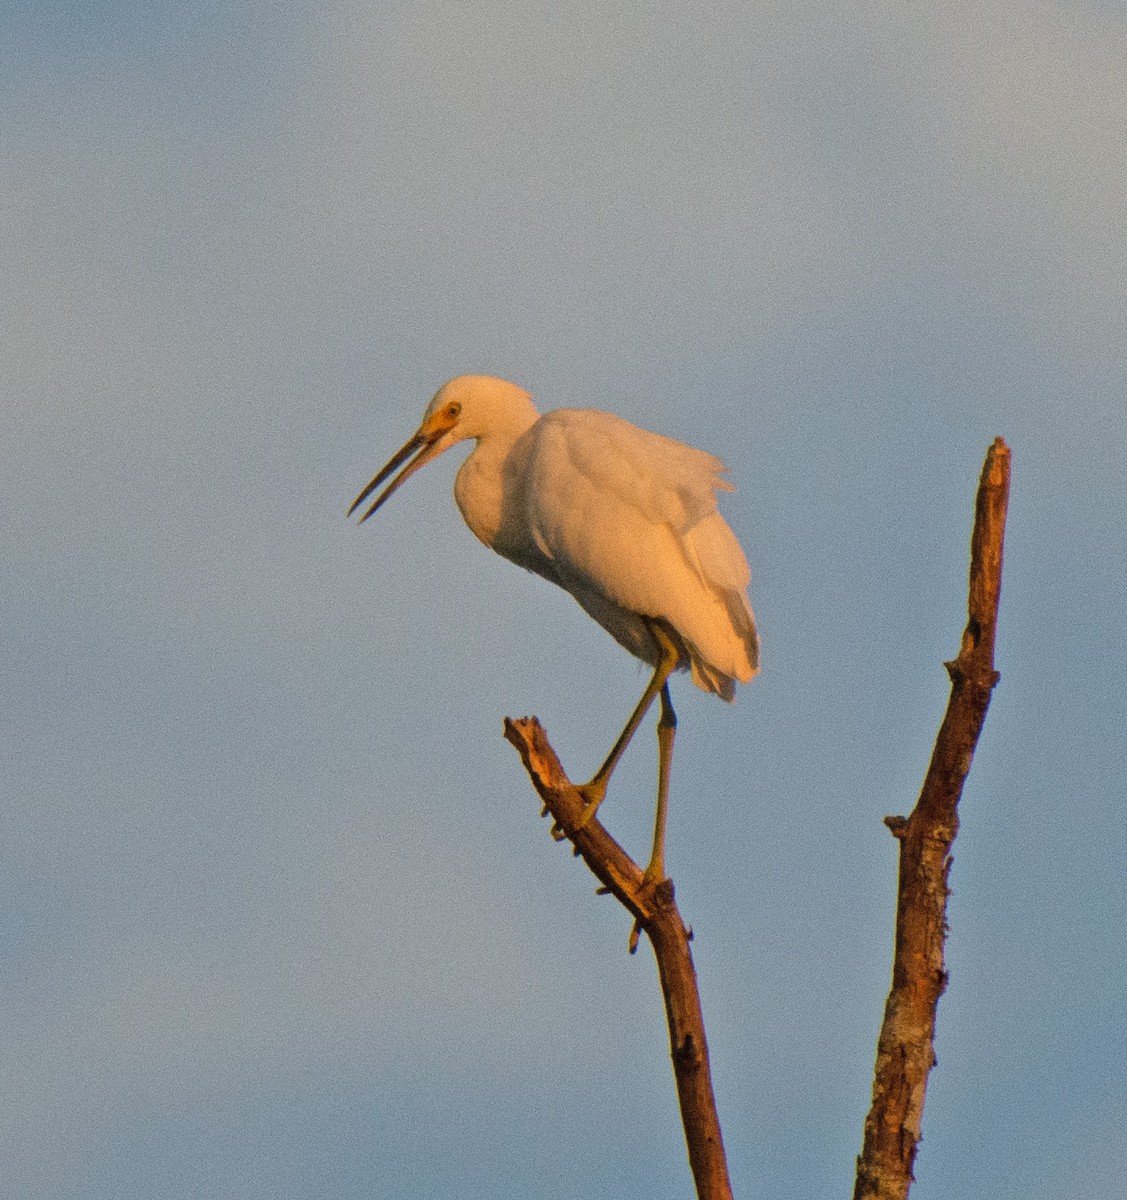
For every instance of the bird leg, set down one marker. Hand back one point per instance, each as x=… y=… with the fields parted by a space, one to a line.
x=666 y=729
x=595 y=790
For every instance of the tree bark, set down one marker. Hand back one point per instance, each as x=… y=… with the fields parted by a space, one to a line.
x=905 y=1048
x=655 y=913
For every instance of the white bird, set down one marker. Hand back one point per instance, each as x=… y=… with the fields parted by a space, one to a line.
x=623 y=519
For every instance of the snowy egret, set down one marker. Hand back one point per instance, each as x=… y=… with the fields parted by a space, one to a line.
x=623 y=519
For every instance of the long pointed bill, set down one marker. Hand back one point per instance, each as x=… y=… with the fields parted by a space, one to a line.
x=423 y=448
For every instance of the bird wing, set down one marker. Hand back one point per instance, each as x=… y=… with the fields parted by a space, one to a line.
x=629 y=516
x=664 y=480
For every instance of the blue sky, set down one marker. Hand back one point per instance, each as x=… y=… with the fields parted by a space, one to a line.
x=279 y=917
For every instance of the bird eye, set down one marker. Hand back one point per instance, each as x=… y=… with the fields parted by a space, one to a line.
x=454 y=409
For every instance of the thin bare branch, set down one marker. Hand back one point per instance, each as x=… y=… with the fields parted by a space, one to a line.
x=655 y=913
x=905 y=1048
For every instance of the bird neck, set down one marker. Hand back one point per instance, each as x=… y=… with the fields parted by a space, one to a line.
x=482 y=481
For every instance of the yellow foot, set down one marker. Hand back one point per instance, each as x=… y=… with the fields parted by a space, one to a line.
x=593 y=794
x=653 y=874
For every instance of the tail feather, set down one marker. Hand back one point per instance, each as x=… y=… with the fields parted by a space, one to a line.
x=731 y=654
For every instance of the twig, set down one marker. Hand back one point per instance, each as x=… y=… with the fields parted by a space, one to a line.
x=655 y=913
x=906 y=1047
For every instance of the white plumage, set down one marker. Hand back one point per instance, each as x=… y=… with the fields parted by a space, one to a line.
x=623 y=519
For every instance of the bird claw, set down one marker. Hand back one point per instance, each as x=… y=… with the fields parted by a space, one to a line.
x=593 y=794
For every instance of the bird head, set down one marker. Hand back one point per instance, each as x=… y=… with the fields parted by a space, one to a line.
x=470 y=406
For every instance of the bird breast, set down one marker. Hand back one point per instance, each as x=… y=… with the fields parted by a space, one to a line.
x=490 y=491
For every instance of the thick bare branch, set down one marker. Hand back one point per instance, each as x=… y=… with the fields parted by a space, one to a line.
x=905 y=1048
x=655 y=913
